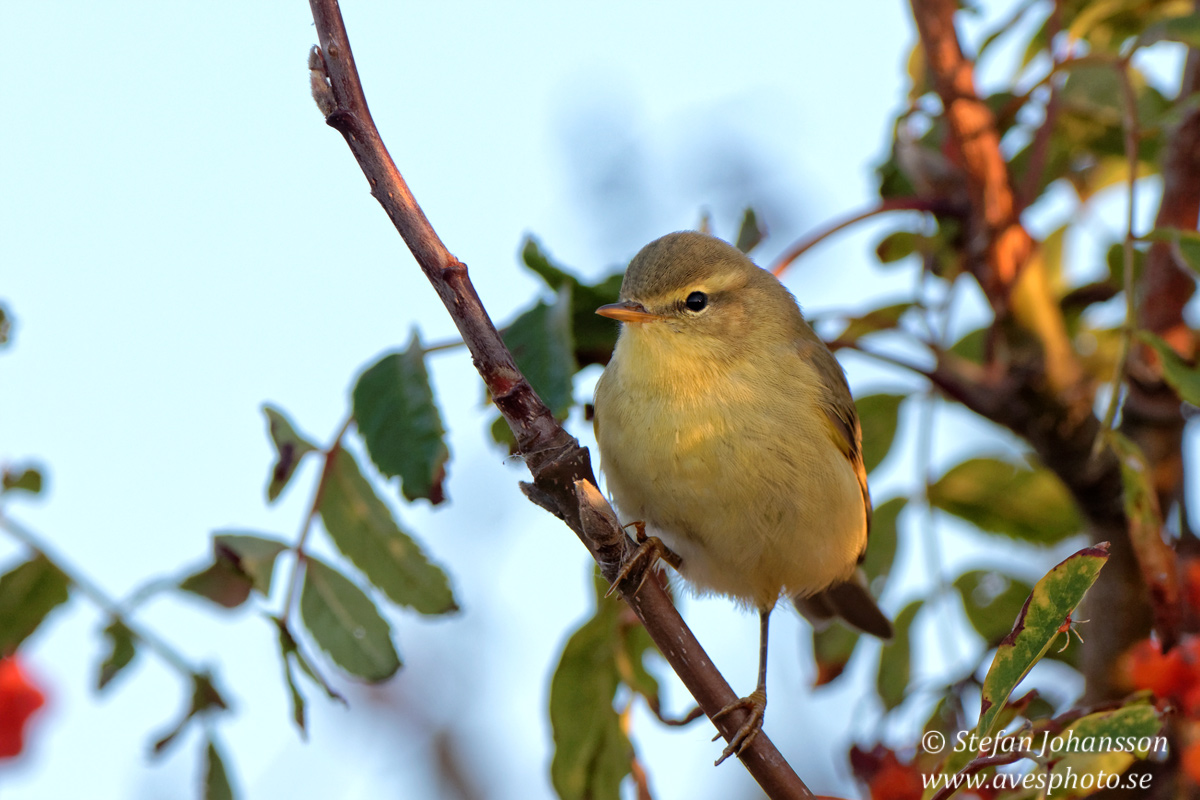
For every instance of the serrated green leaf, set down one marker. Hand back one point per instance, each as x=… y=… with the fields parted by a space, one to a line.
x=832 y=646
x=397 y=416
x=1053 y=600
x=542 y=343
x=1011 y=500
x=895 y=659
x=881 y=543
x=254 y=556
x=28 y=593
x=345 y=624
x=878 y=414
x=28 y=479
x=216 y=779
x=594 y=336
x=363 y=528
x=121 y=652
x=290 y=448
x=591 y=753
x=750 y=232
x=875 y=320
x=991 y=601
x=896 y=246
x=1182 y=377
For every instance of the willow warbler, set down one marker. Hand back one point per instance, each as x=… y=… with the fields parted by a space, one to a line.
x=726 y=426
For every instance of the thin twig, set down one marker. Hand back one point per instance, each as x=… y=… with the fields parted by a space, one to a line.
x=558 y=464
x=101 y=599
x=1129 y=122
x=890 y=204
x=314 y=506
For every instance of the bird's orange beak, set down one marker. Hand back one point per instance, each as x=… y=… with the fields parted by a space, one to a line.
x=627 y=311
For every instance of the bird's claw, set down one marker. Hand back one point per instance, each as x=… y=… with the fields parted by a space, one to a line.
x=639 y=563
x=757 y=704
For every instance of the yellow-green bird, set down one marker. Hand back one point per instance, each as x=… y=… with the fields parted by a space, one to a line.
x=726 y=426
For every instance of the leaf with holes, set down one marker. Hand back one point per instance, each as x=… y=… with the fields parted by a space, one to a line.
x=1041 y=620
x=345 y=624
x=398 y=419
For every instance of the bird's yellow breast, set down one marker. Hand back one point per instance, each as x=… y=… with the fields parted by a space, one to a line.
x=731 y=464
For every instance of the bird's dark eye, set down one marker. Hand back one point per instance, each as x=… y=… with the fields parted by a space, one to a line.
x=696 y=301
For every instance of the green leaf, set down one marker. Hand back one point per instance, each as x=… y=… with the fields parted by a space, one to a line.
x=1011 y=500
x=750 y=233
x=895 y=659
x=254 y=556
x=594 y=336
x=205 y=698
x=289 y=650
x=1081 y=744
x=241 y=562
x=5 y=326
x=121 y=652
x=971 y=345
x=1185 y=244
x=896 y=246
x=991 y=601
x=216 y=780
x=634 y=646
x=221 y=582
x=1183 y=378
x=881 y=544
x=542 y=344
x=1155 y=558
x=878 y=414
x=363 y=528
x=1184 y=29
x=28 y=593
x=832 y=646
x=591 y=752
x=345 y=624
x=28 y=479
x=1053 y=600
x=398 y=419
x=290 y=447
x=879 y=319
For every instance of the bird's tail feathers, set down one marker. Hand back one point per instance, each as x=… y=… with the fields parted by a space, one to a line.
x=849 y=601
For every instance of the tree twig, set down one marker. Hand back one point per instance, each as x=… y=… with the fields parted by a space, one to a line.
x=890 y=204
x=561 y=469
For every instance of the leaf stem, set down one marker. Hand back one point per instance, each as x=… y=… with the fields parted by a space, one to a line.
x=100 y=598
x=314 y=505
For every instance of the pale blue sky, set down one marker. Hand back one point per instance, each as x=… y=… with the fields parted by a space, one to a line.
x=185 y=239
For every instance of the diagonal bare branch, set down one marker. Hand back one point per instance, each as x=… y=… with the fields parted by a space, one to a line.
x=561 y=469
